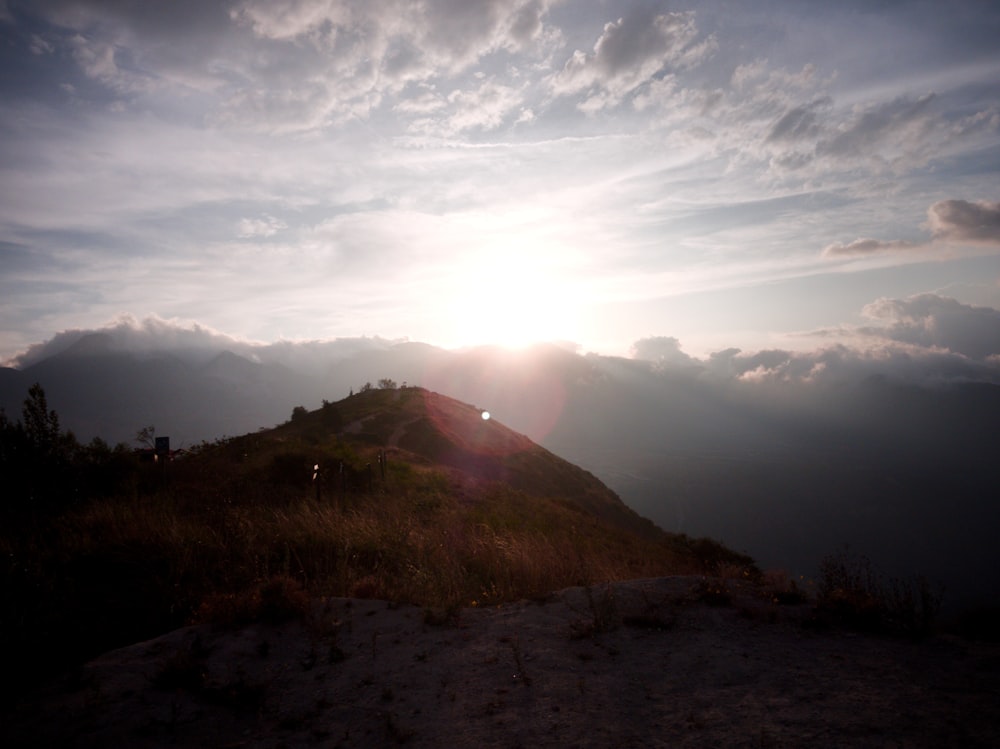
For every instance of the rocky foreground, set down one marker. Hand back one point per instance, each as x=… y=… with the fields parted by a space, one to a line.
x=673 y=662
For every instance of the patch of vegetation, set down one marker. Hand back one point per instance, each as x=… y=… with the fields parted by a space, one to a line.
x=713 y=591
x=274 y=601
x=855 y=593
x=782 y=589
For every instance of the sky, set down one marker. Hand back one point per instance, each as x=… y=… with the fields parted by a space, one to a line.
x=655 y=179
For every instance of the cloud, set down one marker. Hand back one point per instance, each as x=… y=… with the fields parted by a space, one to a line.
x=408 y=40
x=194 y=341
x=97 y=60
x=800 y=122
x=288 y=19
x=40 y=46
x=527 y=22
x=964 y=222
x=629 y=53
x=926 y=340
x=134 y=48
x=957 y=221
x=424 y=102
x=265 y=226
x=484 y=108
x=838 y=365
x=866 y=246
x=813 y=136
x=900 y=123
x=290 y=66
x=174 y=21
x=140 y=336
x=934 y=321
x=665 y=350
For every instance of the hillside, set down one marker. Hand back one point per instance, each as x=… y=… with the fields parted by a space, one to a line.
x=420 y=427
x=418 y=500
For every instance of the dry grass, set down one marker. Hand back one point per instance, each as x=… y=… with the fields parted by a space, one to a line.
x=121 y=569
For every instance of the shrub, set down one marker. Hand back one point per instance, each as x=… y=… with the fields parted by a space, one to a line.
x=856 y=593
x=781 y=588
x=277 y=600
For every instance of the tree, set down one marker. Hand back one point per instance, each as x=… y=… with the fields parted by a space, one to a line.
x=41 y=425
x=386 y=384
x=11 y=443
x=146 y=436
x=299 y=413
x=330 y=414
x=366 y=387
x=37 y=457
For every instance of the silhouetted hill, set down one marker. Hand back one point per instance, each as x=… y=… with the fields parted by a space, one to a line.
x=417 y=425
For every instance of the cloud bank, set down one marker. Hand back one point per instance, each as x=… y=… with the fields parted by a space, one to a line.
x=927 y=340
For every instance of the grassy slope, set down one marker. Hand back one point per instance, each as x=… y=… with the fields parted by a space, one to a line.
x=469 y=513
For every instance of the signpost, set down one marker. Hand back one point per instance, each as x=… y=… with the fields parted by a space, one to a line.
x=162 y=447
x=162 y=454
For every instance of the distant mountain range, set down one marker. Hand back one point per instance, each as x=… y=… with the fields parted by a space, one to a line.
x=785 y=471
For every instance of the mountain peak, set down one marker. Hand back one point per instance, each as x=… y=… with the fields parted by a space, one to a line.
x=91 y=344
x=431 y=429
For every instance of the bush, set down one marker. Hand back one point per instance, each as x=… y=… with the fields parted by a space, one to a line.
x=855 y=592
x=277 y=600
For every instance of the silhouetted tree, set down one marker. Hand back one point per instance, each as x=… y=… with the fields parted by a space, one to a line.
x=299 y=413
x=146 y=436
x=387 y=384
x=12 y=443
x=41 y=425
x=331 y=416
x=36 y=456
x=45 y=469
x=366 y=387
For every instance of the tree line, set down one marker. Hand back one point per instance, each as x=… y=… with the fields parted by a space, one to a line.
x=46 y=468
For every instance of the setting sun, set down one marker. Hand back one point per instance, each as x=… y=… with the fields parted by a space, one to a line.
x=512 y=299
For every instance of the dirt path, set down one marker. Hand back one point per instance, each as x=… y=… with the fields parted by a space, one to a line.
x=355 y=427
x=638 y=664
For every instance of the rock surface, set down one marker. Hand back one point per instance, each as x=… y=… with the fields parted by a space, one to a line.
x=663 y=662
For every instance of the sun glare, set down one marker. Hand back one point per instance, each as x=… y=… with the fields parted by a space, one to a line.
x=512 y=300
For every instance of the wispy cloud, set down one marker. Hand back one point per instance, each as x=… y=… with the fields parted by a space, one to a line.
x=869 y=246
x=630 y=52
